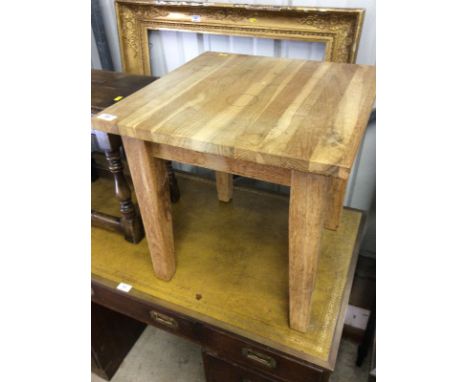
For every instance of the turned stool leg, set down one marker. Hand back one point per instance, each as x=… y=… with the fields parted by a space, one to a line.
x=94 y=172
x=224 y=186
x=130 y=223
x=307 y=209
x=151 y=183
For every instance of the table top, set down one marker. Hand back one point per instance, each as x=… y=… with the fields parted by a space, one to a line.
x=109 y=87
x=232 y=267
x=297 y=114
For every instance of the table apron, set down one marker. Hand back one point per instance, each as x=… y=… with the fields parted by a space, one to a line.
x=215 y=162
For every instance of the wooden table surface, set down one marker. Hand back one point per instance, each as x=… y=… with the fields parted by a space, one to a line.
x=239 y=283
x=297 y=114
x=109 y=87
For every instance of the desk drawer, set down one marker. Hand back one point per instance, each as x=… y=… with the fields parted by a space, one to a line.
x=217 y=370
x=260 y=358
x=236 y=350
x=151 y=314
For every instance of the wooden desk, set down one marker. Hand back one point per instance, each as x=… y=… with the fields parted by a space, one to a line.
x=291 y=122
x=230 y=296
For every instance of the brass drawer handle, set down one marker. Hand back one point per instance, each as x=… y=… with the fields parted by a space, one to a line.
x=260 y=358
x=164 y=320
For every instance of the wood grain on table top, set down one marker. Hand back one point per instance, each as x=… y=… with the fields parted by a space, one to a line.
x=298 y=114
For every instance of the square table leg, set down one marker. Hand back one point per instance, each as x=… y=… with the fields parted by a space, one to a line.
x=224 y=186
x=337 y=192
x=151 y=182
x=307 y=210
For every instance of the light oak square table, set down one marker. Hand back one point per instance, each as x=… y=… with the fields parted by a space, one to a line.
x=292 y=122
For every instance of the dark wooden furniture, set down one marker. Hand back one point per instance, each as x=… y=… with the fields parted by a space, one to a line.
x=238 y=310
x=368 y=340
x=108 y=88
x=113 y=335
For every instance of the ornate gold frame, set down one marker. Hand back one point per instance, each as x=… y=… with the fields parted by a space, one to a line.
x=338 y=28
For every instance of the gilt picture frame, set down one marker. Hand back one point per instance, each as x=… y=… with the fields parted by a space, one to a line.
x=338 y=28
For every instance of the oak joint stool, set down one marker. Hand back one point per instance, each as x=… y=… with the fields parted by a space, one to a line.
x=107 y=88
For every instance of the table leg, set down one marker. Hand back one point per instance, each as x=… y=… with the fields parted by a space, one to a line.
x=307 y=210
x=130 y=223
x=173 y=185
x=151 y=182
x=337 y=192
x=224 y=186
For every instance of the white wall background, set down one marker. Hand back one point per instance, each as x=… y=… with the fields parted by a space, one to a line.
x=170 y=49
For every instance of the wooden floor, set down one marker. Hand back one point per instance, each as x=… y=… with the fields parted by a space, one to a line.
x=232 y=265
